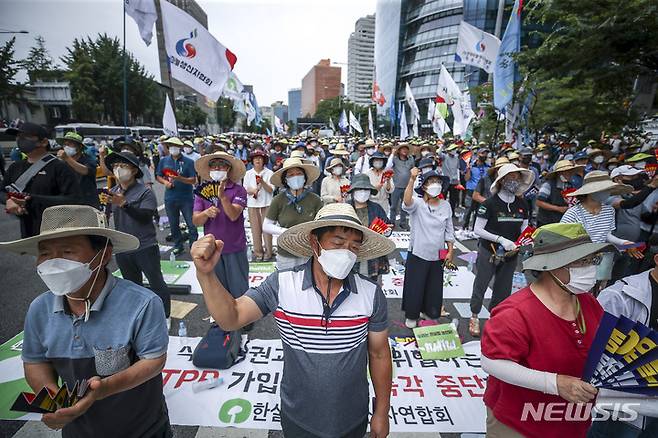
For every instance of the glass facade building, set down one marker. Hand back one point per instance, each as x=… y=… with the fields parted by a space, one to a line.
x=426 y=38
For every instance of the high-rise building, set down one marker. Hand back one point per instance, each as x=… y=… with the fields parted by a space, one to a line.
x=181 y=93
x=361 y=60
x=321 y=82
x=280 y=110
x=294 y=104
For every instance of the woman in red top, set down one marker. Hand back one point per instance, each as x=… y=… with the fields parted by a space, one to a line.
x=535 y=345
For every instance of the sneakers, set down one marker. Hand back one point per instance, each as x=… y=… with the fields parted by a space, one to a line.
x=411 y=323
x=424 y=316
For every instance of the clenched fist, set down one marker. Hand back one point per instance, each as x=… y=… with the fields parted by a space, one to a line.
x=205 y=253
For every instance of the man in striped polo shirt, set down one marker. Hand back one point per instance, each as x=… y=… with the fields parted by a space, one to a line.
x=333 y=324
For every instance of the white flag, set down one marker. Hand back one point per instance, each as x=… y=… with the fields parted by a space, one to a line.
x=450 y=93
x=431 y=107
x=439 y=126
x=196 y=58
x=467 y=111
x=239 y=107
x=370 y=124
x=278 y=125
x=476 y=47
x=414 y=128
x=233 y=88
x=404 y=129
x=169 y=119
x=331 y=125
x=354 y=123
x=144 y=14
x=249 y=108
x=409 y=97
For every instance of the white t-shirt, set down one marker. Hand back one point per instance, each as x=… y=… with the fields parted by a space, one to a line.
x=264 y=198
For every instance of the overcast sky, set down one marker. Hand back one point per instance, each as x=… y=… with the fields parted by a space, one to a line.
x=276 y=41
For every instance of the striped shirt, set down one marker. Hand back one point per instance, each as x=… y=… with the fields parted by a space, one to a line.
x=325 y=348
x=598 y=226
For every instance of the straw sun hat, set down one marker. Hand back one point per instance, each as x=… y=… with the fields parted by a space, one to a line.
x=312 y=171
x=72 y=220
x=527 y=177
x=562 y=166
x=202 y=166
x=599 y=181
x=296 y=240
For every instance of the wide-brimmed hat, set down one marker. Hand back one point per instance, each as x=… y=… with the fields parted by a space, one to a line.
x=402 y=145
x=258 y=153
x=562 y=166
x=370 y=143
x=638 y=157
x=296 y=239
x=202 y=166
x=70 y=136
x=312 y=171
x=625 y=170
x=452 y=147
x=559 y=244
x=599 y=181
x=174 y=141
x=378 y=156
x=124 y=157
x=335 y=162
x=72 y=220
x=527 y=178
x=500 y=162
x=445 y=181
x=339 y=150
x=361 y=181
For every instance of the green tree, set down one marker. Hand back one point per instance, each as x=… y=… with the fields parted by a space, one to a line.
x=332 y=108
x=95 y=72
x=39 y=64
x=189 y=115
x=225 y=113
x=589 y=55
x=10 y=90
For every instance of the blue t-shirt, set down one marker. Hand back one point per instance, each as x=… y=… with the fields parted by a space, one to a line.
x=185 y=167
x=477 y=172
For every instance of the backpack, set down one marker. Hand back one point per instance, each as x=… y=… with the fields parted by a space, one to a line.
x=219 y=349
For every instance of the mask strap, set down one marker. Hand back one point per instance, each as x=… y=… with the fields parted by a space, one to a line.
x=579 y=315
x=91 y=288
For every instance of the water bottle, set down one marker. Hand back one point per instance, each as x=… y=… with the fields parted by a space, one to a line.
x=470 y=266
x=207 y=384
x=455 y=323
x=248 y=253
x=172 y=260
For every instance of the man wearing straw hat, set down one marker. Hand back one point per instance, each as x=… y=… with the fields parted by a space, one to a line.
x=93 y=326
x=550 y=201
x=332 y=322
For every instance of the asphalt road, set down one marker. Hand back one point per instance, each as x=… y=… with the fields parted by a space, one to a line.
x=19 y=285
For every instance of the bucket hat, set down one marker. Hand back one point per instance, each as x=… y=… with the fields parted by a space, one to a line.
x=599 y=181
x=527 y=177
x=361 y=181
x=123 y=157
x=312 y=171
x=202 y=166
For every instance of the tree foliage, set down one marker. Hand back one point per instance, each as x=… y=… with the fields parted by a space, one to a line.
x=95 y=73
x=10 y=90
x=225 y=113
x=332 y=108
x=590 y=54
x=39 y=64
x=189 y=115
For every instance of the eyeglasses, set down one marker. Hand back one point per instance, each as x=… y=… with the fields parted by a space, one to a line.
x=587 y=261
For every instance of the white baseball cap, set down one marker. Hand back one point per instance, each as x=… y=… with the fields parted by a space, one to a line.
x=624 y=170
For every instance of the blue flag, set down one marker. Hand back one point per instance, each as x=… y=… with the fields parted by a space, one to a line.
x=254 y=103
x=342 y=122
x=505 y=68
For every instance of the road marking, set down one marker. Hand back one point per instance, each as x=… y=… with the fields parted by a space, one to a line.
x=230 y=432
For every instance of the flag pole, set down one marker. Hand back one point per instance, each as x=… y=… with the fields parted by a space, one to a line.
x=125 y=79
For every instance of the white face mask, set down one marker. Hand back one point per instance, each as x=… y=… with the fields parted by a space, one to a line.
x=295 y=182
x=64 y=276
x=122 y=174
x=598 y=159
x=336 y=263
x=361 y=196
x=433 y=190
x=337 y=171
x=187 y=149
x=218 y=175
x=581 y=279
x=240 y=146
x=174 y=150
x=424 y=153
x=377 y=164
x=70 y=150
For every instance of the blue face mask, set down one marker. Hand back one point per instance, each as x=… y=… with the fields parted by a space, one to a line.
x=295 y=182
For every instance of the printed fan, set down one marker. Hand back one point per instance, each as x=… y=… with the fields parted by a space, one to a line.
x=208 y=191
x=623 y=356
x=169 y=173
x=379 y=226
x=387 y=175
x=570 y=200
x=344 y=189
x=650 y=169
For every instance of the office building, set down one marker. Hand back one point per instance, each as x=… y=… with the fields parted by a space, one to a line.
x=280 y=110
x=321 y=82
x=361 y=61
x=294 y=104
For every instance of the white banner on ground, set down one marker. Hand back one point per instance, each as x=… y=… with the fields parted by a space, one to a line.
x=457 y=285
